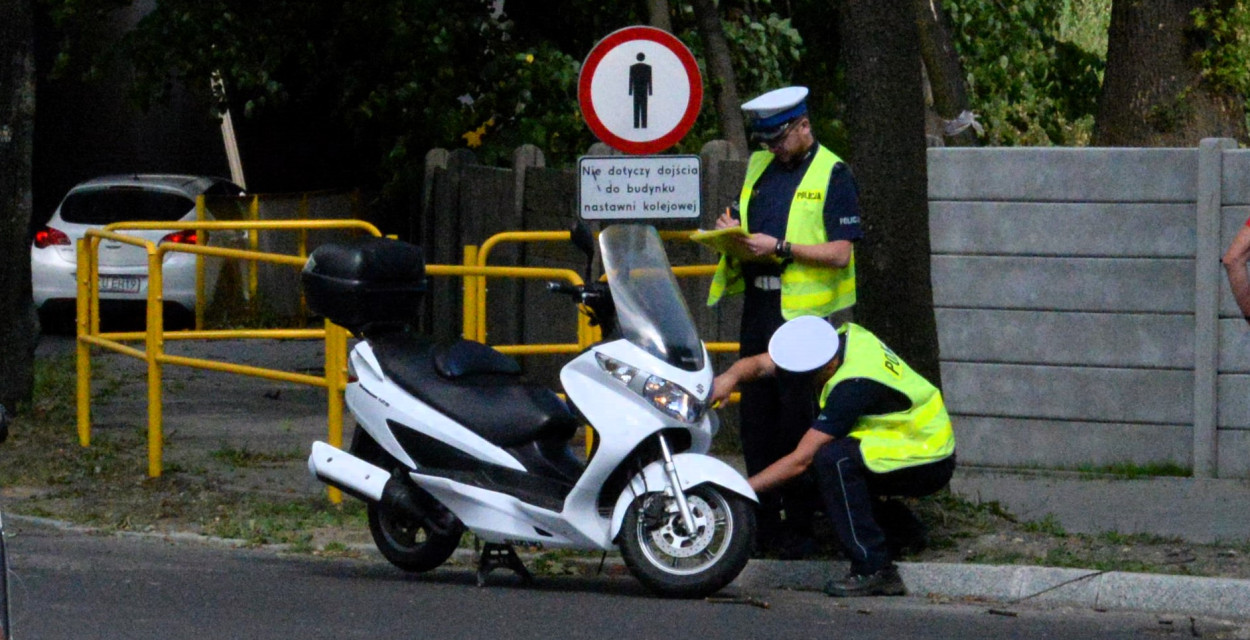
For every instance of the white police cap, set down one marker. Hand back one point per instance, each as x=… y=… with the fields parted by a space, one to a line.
x=776 y=108
x=803 y=344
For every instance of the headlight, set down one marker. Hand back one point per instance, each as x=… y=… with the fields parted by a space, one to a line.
x=666 y=396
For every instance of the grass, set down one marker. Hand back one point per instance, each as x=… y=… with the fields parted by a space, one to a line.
x=1124 y=470
x=1126 y=539
x=1048 y=525
x=241 y=457
x=262 y=521
x=106 y=485
x=1132 y=470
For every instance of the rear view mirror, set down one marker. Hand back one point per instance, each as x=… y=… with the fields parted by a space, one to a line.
x=583 y=239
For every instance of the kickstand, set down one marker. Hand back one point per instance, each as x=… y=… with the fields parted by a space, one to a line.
x=497 y=556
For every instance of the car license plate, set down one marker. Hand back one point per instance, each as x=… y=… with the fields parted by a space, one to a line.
x=119 y=284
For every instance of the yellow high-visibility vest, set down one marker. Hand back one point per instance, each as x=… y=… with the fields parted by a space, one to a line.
x=919 y=435
x=806 y=290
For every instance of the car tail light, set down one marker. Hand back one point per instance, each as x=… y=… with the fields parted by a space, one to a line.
x=181 y=237
x=48 y=236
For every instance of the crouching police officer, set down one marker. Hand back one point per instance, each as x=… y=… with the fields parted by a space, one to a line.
x=882 y=431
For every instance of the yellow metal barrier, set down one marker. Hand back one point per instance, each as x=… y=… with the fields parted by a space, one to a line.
x=335 y=337
x=591 y=334
x=154 y=337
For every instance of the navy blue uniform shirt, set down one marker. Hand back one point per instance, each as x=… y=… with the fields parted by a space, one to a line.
x=774 y=191
x=852 y=399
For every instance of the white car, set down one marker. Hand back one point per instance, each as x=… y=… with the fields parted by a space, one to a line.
x=123 y=270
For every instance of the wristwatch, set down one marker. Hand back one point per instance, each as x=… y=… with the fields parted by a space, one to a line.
x=782 y=250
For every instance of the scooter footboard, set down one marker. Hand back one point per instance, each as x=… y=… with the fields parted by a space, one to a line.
x=693 y=469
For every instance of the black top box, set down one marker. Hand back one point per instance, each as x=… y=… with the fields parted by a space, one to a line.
x=378 y=280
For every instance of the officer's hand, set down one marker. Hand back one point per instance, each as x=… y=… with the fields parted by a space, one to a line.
x=761 y=244
x=722 y=386
x=725 y=221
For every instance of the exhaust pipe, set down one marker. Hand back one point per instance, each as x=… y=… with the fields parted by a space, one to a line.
x=344 y=471
x=372 y=483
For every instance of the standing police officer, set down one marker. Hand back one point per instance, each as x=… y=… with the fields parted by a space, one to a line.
x=883 y=431
x=800 y=205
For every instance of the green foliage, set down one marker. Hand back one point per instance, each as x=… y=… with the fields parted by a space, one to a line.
x=394 y=78
x=1084 y=23
x=404 y=76
x=83 y=29
x=765 y=48
x=400 y=76
x=1225 y=61
x=1028 y=85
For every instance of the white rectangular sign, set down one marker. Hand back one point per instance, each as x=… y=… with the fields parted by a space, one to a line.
x=638 y=187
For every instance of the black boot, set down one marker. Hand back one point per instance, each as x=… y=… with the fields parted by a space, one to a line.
x=884 y=582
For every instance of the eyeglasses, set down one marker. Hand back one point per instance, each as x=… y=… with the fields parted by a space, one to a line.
x=773 y=139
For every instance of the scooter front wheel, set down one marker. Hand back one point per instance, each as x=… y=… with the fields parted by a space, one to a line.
x=675 y=562
x=408 y=544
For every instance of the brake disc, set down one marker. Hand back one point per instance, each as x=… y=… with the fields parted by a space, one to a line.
x=672 y=539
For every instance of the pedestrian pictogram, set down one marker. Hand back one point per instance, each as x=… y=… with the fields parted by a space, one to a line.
x=640 y=90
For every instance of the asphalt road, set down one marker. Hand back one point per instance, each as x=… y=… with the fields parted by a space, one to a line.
x=74 y=585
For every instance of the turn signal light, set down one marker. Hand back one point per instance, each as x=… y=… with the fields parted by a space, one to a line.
x=181 y=237
x=48 y=236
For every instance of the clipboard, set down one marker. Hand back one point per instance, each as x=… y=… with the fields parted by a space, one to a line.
x=726 y=241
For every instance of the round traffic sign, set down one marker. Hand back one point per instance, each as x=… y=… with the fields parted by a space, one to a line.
x=640 y=90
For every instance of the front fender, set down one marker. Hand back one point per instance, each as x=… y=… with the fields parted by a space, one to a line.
x=693 y=469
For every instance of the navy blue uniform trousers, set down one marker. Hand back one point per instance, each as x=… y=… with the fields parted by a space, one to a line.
x=773 y=416
x=850 y=491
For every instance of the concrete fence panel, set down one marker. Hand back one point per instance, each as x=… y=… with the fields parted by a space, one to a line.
x=1098 y=394
x=1140 y=230
x=1083 y=318
x=1063 y=284
x=1234 y=174
x=1051 y=443
x=1053 y=174
x=1073 y=338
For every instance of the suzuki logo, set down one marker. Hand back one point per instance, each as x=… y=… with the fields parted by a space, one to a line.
x=698 y=388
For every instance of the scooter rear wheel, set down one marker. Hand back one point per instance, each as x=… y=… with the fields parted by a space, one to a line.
x=677 y=563
x=410 y=545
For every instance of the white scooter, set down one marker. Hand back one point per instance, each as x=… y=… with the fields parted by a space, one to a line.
x=450 y=436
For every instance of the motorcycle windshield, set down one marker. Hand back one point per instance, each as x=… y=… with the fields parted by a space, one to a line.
x=650 y=308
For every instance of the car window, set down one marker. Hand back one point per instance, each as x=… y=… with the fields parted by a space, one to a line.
x=224 y=188
x=119 y=204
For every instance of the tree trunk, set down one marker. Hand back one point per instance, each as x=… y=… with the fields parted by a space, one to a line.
x=1153 y=94
x=657 y=15
x=885 y=115
x=723 y=83
x=18 y=327
x=944 y=71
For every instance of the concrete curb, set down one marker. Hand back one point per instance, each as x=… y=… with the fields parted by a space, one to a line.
x=1008 y=584
x=1020 y=584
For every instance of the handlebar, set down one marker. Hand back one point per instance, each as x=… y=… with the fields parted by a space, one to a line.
x=564 y=288
x=595 y=298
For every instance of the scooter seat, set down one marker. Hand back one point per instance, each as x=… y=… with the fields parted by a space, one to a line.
x=477 y=387
x=466 y=358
